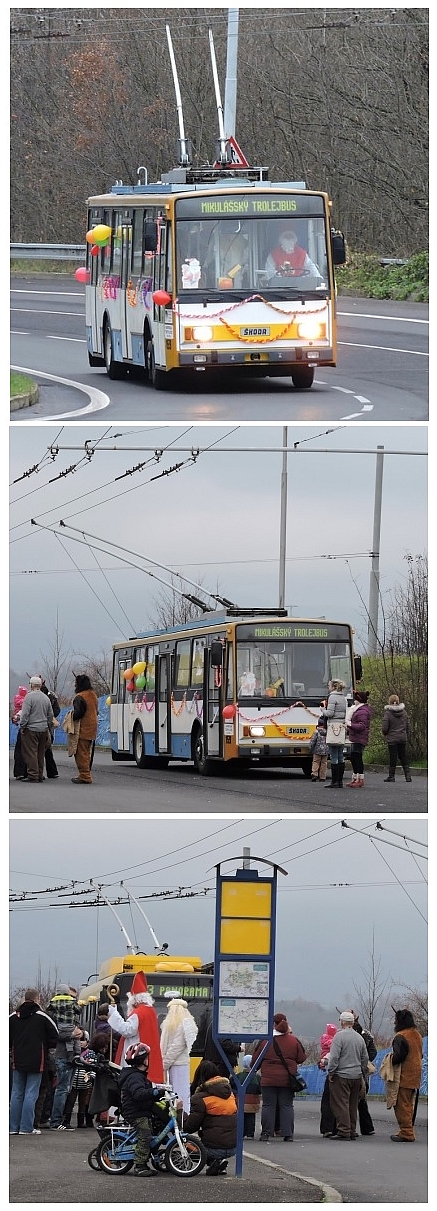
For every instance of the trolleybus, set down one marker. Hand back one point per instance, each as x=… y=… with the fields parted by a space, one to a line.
x=240 y=687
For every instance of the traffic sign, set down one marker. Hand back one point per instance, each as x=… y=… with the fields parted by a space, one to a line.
x=237 y=159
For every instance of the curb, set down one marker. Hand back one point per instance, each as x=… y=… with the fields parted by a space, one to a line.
x=330 y=1194
x=24 y=401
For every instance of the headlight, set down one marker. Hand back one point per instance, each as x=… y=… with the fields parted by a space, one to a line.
x=202 y=333
x=311 y=330
x=257 y=731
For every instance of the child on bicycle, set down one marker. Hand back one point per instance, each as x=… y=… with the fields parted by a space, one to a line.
x=137 y=1098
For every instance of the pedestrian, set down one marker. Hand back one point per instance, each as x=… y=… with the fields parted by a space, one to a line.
x=231 y=1050
x=358 y=729
x=81 y=1089
x=319 y=751
x=44 y=1101
x=347 y=1067
x=407 y=1056
x=65 y=1011
x=36 y=719
x=20 y=767
x=280 y=1062
x=137 y=1098
x=252 y=1097
x=178 y=1033
x=335 y=714
x=395 y=727
x=85 y=712
x=101 y=1026
x=51 y=767
x=214 y=1115
x=141 y=1026
x=31 y=1035
x=328 y=1126
x=364 y=1115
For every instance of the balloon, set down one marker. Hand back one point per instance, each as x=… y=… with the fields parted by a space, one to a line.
x=95 y=250
x=128 y=674
x=140 y=682
x=108 y=701
x=130 y=687
x=139 y=666
x=228 y=712
x=99 y=234
x=161 y=298
x=82 y=274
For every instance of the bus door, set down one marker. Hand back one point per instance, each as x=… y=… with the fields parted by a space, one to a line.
x=125 y=274
x=96 y=266
x=161 y=282
x=121 y=709
x=163 y=701
x=213 y=700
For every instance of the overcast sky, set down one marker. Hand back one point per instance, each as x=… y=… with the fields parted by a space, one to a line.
x=217 y=519
x=340 y=887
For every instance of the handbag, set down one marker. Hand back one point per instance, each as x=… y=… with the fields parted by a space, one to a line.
x=297 y=1083
x=336 y=731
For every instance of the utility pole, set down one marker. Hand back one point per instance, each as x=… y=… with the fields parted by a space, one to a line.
x=372 y=631
x=231 y=74
x=283 y=522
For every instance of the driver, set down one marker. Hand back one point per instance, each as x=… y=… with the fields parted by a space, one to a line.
x=288 y=258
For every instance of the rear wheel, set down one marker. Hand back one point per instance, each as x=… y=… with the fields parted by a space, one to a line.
x=113 y=369
x=189 y=1165
x=202 y=764
x=303 y=377
x=158 y=378
x=107 y=1159
x=306 y=769
x=144 y=762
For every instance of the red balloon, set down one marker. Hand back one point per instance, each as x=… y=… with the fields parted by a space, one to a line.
x=95 y=250
x=130 y=686
x=82 y=274
x=228 y=712
x=161 y=298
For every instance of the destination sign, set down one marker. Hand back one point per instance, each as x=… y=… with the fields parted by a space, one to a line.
x=331 y=632
x=250 y=206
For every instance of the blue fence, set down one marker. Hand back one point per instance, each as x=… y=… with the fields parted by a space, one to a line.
x=315 y=1078
x=60 y=735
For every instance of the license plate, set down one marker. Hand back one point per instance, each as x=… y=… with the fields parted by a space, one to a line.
x=255 y=332
x=255 y=358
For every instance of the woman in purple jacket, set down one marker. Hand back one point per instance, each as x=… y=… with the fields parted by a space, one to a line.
x=358 y=728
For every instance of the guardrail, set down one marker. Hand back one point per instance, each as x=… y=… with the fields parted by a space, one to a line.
x=48 y=252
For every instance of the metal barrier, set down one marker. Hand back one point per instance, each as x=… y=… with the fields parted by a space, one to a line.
x=48 y=252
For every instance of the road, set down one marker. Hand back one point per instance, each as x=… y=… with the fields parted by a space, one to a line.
x=367 y=1171
x=122 y=787
x=382 y=372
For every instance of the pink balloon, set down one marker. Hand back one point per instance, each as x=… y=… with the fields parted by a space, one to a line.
x=228 y=712
x=82 y=274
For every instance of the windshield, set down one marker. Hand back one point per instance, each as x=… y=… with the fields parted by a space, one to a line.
x=291 y=670
x=250 y=255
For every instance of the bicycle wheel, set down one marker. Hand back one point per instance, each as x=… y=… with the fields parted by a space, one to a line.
x=92 y=1159
x=189 y=1165
x=106 y=1157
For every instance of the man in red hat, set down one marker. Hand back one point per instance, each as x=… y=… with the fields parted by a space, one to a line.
x=141 y=1026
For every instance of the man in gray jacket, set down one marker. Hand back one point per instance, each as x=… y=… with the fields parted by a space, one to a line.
x=36 y=721
x=347 y=1066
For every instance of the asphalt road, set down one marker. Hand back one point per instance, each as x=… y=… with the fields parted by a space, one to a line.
x=53 y=1169
x=382 y=371
x=120 y=787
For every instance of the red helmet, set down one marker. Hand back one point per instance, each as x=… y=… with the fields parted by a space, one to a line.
x=137 y=1054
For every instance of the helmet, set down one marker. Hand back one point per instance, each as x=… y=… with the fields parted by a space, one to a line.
x=137 y=1054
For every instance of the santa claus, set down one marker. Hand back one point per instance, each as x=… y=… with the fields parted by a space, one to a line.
x=141 y=1026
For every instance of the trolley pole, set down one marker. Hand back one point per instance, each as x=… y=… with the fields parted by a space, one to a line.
x=283 y=522
x=372 y=631
x=230 y=115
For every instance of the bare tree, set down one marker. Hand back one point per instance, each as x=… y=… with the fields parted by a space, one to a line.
x=416 y=1001
x=56 y=664
x=45 y=982
x=173 y=610
x=373 y=996
x=99 y=669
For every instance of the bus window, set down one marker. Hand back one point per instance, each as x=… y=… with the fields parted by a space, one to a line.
x=197 y=663
x=182 y=664
x=169 y=265
x=137 y=243
x=150 y=656
x=116 y=244
x=230 y=674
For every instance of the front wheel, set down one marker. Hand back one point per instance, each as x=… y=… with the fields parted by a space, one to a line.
x=158 y=378
x=106 y=1158
x=303 y=377
x=189 y=1165
x=92 y=1160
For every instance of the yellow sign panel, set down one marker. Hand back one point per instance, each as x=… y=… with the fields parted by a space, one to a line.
x=245 y=936
x=251 y=899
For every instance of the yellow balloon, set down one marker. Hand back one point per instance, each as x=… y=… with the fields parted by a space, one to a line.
x=101 y=232
x=139 y=667
x=108 y=701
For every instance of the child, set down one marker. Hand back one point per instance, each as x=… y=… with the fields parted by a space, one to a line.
x=319 y=750
x=137 y=1098
x=252 y=1098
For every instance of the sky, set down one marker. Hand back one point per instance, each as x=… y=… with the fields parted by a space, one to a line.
x=344 y=886
x=216 y=519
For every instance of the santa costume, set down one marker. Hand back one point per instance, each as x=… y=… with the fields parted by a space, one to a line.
x=141 y=1026
x=178 y=1033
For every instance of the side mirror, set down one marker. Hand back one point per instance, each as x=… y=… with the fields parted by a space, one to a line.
x=150 y=237
x=358 y=667
x=216 y=654
x=338 y=245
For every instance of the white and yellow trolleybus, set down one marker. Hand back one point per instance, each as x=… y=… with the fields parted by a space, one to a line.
x=195 y=277
x=242 y=687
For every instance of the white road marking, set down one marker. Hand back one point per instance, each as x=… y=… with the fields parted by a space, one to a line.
x=98 y=399
x=40 y=311
x=363 y=315
x=380 y=348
